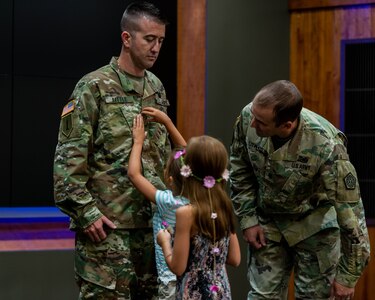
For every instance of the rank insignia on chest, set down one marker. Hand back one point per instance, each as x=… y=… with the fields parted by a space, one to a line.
x=68 y=108
x=350 y=181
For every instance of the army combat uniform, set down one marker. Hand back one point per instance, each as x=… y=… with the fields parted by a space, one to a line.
x=90 y=180
x=305 y=195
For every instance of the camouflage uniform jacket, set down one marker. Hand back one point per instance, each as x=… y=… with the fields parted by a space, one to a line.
x=94 y=143
x=305 y=186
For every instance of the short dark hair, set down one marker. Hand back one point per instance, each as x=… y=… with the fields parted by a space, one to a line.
x=285 y=98
x=138 y=9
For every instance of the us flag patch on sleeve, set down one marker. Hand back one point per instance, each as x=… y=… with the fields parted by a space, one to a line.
x=68 y=108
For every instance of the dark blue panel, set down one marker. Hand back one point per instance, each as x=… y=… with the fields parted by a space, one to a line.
x=65 y=38
x=357 y=112
x=5 y=148
x=6 y=21
x=38 y=104
x=55 y=44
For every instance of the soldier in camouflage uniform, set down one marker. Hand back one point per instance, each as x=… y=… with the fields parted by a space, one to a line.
x=297 y=198
x=114 y=255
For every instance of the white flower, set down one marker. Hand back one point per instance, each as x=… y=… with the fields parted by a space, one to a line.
x=225 y=174
x=185 y=171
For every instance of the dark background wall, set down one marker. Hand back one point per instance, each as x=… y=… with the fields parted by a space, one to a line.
x=247 y=47
x=46 y=46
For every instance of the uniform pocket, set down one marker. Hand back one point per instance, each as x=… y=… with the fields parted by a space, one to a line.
x=115 y=127
x=69 y=129
x=94 y=270
x=329 y=254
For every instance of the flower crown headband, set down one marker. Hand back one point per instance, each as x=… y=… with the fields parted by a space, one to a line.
x=208 y=181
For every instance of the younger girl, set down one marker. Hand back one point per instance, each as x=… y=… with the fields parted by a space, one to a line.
x=205 y=238
x=166 y=201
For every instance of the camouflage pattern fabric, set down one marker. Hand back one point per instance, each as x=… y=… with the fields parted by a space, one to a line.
x=120 y=267
x=94 y=144
x=302 y=188
x=167 y=291
x=315 y=267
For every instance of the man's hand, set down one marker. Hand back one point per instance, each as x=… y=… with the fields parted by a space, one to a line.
x=255 y=236
x=340 y=292
x=96 y=231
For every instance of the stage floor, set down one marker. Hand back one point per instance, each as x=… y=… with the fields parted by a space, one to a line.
x=34 y=228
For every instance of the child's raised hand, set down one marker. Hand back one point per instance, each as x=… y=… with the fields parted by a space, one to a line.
x=139 y=134
x=156 y=115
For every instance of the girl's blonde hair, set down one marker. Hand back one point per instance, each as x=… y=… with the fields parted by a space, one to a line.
x=207 y=156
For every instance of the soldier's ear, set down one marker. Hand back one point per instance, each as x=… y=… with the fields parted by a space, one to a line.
x=288 y=124
x=126 y=37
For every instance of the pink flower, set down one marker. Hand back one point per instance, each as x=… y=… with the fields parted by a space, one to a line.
x=225 y=175
x=214 y=288
x=208 y=182
x=165 y=224
x=178 y=154
x=185 y=171
x=215 y=250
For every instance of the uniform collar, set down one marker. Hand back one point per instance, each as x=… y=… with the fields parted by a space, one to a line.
x=126 y=79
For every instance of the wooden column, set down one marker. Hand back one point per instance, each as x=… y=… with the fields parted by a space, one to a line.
x=191 y=67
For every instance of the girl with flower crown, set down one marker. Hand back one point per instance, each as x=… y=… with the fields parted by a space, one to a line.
x=205 y=239
x=166 y=201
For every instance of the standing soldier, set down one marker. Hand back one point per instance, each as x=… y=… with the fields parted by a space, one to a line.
x=114 y=254
x=297 y=198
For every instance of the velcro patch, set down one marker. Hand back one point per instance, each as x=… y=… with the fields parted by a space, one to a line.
x=68 y=108
x=303 y=159
x=350 y=181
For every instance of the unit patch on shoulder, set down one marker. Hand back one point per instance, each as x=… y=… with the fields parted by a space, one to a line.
x=350 y=181
x=68 y=108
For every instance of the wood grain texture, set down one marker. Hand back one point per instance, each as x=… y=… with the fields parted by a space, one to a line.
x=315 y=53
x=191 y=67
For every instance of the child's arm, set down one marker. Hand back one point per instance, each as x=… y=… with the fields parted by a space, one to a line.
x=161 y=117
x=177 y=257
x=134 y=169
x=234 y=253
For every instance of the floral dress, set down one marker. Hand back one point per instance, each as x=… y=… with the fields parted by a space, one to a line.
x=198 y=281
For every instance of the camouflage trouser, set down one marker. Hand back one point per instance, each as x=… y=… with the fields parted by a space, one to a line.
x=314 y=261
x=120 y=267
x=167 y=291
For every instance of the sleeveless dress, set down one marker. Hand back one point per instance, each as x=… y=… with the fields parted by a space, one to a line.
x=198 y=278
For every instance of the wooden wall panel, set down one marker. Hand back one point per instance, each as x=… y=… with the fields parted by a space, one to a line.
x=315 y=47
x=191 y=67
